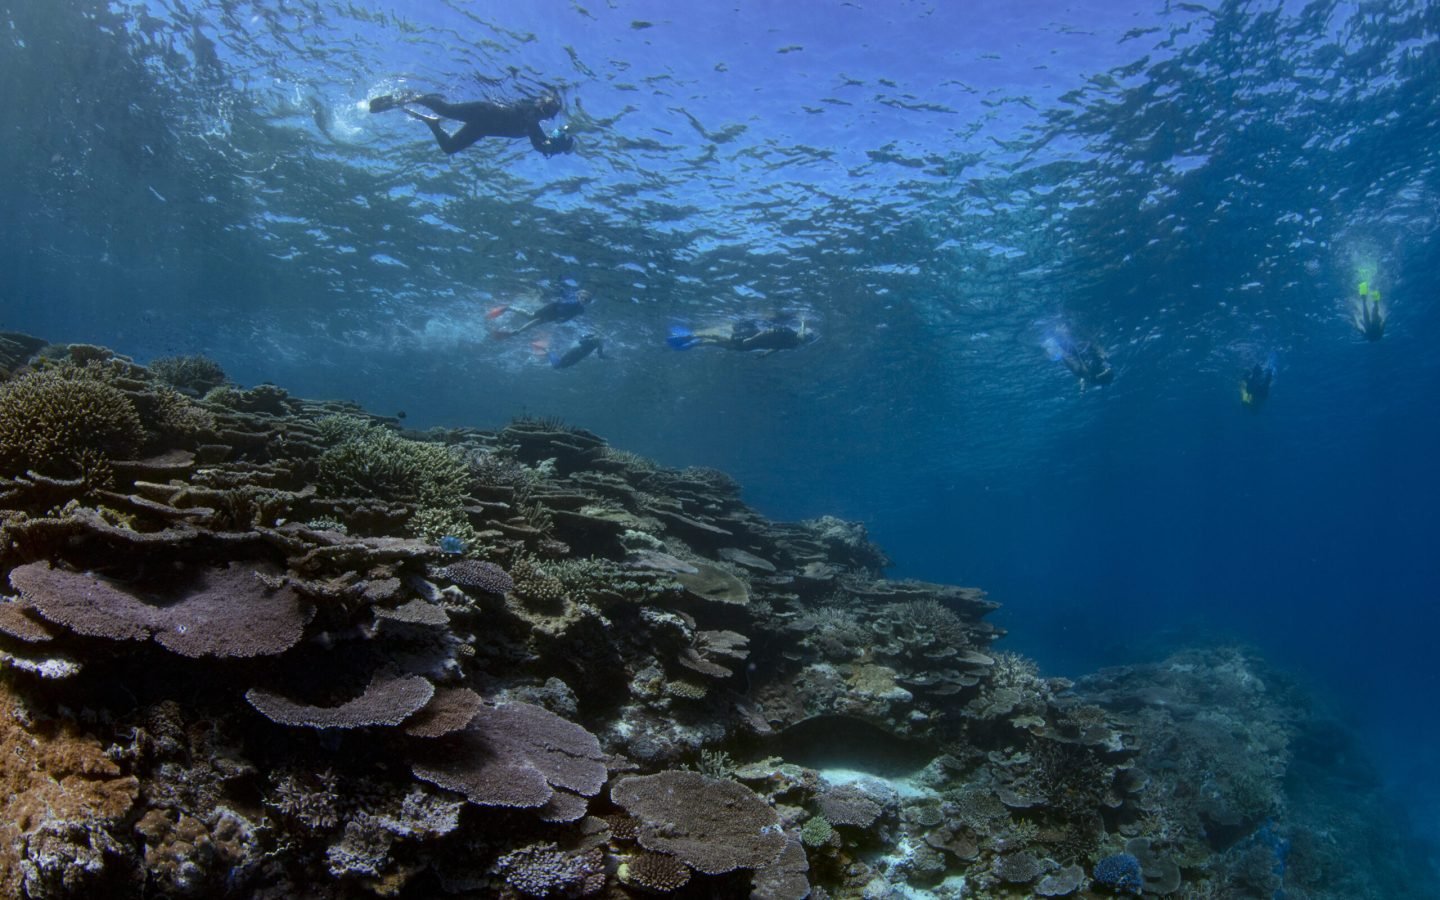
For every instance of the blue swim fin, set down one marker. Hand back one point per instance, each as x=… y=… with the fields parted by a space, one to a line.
x=681 y=338
x=554 y=358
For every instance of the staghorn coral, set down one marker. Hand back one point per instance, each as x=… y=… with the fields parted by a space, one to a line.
x=195 y=375
x=173 y=414
x=658 y=872
x=544 y=870
x=816 y=832
x=433 y=524
x=309 y=800
x=370 y=461
x=536 y=586
x=1120 y=872
x=64 y=422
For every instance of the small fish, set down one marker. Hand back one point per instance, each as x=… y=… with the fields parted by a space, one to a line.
x=588 y=344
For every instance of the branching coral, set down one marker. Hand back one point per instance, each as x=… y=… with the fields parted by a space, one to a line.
x=61 y=421
x=370 y=461
x=194 y=374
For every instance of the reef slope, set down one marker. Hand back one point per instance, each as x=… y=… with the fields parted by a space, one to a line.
x=260 y=646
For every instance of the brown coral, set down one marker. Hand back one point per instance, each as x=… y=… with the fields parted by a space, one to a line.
x=474 y=574
x=387 y=701
x=450 y=710
x=712 y=824
x=228 y=612
x=658 y=872
x=515 y=755
x=57 y=420
x=57 y=787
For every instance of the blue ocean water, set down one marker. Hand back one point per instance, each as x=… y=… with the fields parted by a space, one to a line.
x=939 y=191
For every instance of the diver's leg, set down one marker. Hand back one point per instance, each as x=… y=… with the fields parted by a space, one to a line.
x=450 y=143
x=437 y=104
x=468 y=134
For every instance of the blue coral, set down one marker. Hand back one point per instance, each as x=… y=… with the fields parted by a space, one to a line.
x=1120 y=872
x=1279 y=848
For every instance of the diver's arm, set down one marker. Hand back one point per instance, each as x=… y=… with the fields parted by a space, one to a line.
x=550 y=144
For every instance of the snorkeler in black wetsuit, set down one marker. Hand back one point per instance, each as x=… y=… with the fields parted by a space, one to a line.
x=588 y=343
x=1087 y=361
x=1255 y=387
x=746 y=335
x=1369 y=317
x=562 y=310
x=486 y=118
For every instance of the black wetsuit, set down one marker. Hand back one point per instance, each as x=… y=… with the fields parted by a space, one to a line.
x=1257 y=386
x=554 y=311
x=588 y=344
x=1372 y=322
x=486 y=118
x=1088 y=363
x=775 y=338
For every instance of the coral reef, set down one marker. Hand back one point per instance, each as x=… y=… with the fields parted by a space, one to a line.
x=65 y=421
x=260 y=646
x=195 y=375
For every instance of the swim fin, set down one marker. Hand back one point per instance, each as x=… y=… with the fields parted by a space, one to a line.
x=681 y=338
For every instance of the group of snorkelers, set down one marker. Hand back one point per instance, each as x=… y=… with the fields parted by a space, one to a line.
x=522 y=118
x=1368 y=317
x=1090 y=365
x=759 y=336
x=554 y=313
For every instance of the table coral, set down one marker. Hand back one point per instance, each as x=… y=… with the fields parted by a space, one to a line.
x=711 y=824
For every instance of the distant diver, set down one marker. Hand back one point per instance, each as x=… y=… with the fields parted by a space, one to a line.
x=1086 y=360
x=746 y=335
x=485 y=118
x=1369 y=316
x=556 y=311
x=588 y=343
x=1255 y=386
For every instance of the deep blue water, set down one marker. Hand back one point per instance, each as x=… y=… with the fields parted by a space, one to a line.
x=934 y=188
